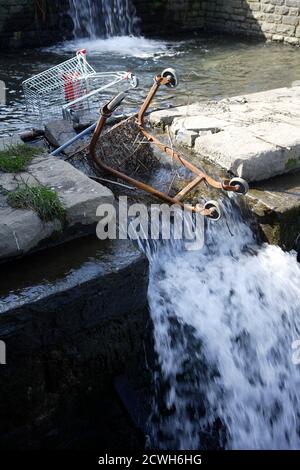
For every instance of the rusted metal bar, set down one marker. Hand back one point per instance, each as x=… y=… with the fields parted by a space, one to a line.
x=105 y=113
x=189 y=187
x=209 y=211
x=138 y=184
x=176 y=156
x=158 y=81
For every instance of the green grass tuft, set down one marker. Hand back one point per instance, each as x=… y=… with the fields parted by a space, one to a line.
x=40 y=199
x=16 y=157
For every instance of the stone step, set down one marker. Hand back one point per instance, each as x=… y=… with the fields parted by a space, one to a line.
x=22 y=231
x=256 y=136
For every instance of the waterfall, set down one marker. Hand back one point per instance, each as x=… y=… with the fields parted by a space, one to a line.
x=103 y=18
x=225 y=319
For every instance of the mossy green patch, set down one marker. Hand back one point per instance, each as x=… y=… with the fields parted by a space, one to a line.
x=40 y=199
x=291 y=163
x=16 y=158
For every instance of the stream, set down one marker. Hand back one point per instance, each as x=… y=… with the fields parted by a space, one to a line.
x=208 y=67
x=225 y=317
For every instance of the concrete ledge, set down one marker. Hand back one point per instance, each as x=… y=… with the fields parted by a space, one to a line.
x=272 y=207
x=256 y=136
x=255 y=153
x=67 y=338
x=22 y=231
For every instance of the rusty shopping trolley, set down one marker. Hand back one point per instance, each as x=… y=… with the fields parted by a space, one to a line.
x=210 y=209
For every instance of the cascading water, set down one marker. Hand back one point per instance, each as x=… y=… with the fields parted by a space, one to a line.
x=224 y=321
x=105 y=18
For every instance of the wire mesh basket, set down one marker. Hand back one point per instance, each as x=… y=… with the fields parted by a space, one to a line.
x=70 y=87
x=104 y=84
x=124 y=147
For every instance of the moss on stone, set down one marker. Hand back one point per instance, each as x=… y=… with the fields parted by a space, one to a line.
x=291 y=163
x=16 y=158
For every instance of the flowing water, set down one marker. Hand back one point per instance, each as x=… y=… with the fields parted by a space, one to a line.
x=93 y=18
x=209 y=67
x=225 y=318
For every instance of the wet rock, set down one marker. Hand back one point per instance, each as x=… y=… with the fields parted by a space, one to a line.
x=29 y=136
x=58 y=132
x=6 y=142
x=297 y=247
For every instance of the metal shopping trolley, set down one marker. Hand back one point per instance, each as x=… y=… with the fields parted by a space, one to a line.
x=70 y=89
x=210 y=209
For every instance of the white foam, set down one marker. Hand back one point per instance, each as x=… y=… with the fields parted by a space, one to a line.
x=119 y=45
x=224 y=321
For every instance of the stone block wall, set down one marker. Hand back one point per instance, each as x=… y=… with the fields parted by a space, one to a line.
x=33 y=23
x=27 y=23
x=170 y=16
x=278 y=20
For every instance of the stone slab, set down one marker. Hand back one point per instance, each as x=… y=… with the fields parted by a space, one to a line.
x=22 y=231
x=255 y=136
x=165 y=117
x=199 y=123
x=186 y=138
x=255 y=153
x=58 y=132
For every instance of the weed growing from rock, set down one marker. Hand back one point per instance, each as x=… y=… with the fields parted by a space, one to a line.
x=41 y=199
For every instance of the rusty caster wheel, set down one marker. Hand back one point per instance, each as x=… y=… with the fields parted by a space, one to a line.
x=173 y=83
x=241 y=185
x=216 y=210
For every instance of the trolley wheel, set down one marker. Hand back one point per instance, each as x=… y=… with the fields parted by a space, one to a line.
x=173 y=83
x=241 y=184
x=216 y=212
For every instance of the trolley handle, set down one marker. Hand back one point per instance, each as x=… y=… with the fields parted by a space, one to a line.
x=115 y=102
